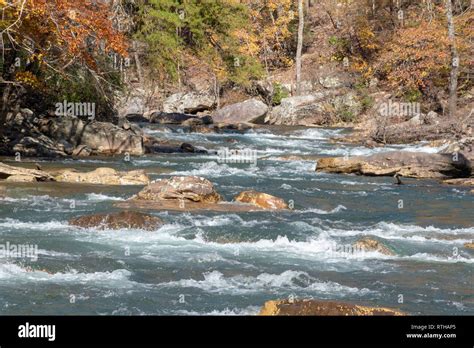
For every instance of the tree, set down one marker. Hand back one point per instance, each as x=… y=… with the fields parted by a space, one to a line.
x=453 y=81
x=54 y=49
x=217 y=32
x=300 y=46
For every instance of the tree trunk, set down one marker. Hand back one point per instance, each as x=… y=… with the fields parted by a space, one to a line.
x=453 y=81
x=300 y=46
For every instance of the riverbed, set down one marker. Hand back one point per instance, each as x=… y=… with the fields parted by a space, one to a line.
x=231 y=263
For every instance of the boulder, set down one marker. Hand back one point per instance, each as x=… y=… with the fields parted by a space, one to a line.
x=190 y=103
x=368 y=244
x=407 y=164
x=116 y=221
x=347 y=106
x=464 y=146
x=21 y=178
x=460 y=182
x=261 y=200
x=39 y=146
x=7 y=171
x=81 y=151
x=323 y=308
x=193 y=122
x=249 y=111
x=170 y=118
x=331 y=82
x=302 y=110
x=137 y=118
x=101 y=137
x=104 y=176
x=180 y=188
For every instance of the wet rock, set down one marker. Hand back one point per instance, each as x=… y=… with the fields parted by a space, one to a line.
x=137 y=118
x=249 y=111
x=116 y=221
x=7 y=171
x=180 y=188
x=189 y=103
x=323 y=308
x=261 y=200
x=170 y=118
x=368 y=244
x=104 y=176
x=407 y=164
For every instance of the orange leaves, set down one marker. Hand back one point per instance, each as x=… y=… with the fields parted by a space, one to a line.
x=70 y=29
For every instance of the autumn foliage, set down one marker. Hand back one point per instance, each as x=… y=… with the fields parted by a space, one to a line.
x=56 y=41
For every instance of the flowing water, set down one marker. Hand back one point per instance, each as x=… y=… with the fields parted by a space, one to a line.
x=231 y=263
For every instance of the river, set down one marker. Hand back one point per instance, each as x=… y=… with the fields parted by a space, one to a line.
x=231 y=263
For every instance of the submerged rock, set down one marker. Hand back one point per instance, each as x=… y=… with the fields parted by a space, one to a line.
x=368 y=244
x=261 y=200
x=180 y=188
x=104 y=176
x=323 y=308
x=407 y=164
x=116 y=221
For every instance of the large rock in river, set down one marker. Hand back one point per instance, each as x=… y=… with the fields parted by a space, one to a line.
x=368 y=244
x=170 y=118
x=116 y=221
x=101 y=137
x=180 y=188
x=262 y=200
x=302 y=110
x=249 y=111
x=12 y=173
x=104 y=176
x=190 y=103
x=407 y=164
x=323 y=308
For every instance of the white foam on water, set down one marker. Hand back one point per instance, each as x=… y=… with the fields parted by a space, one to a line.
x=36 y=226
x=117 y=278
x=213 y=169
x=216 y=282
x=449 y=258
x=98 y=197
x=336 y=210
x=251 y=310
x=316 y=133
